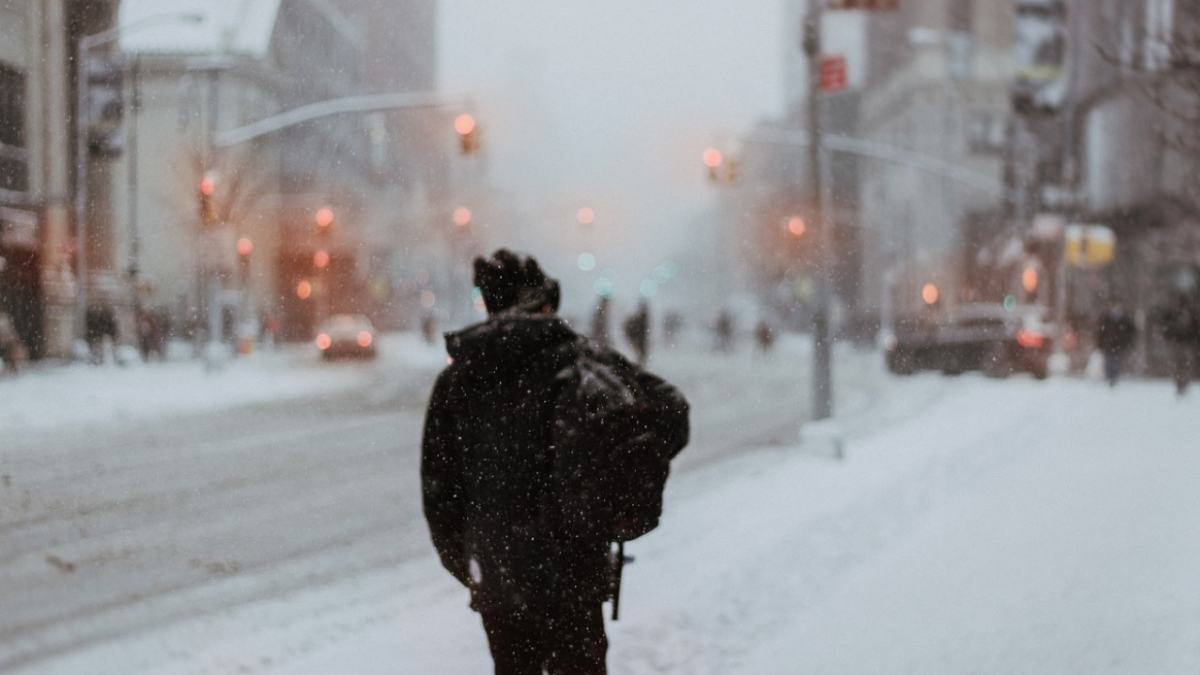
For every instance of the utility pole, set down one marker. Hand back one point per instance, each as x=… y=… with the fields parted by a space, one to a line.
x=1070 y=169
x=131 y=149
x=822 y=349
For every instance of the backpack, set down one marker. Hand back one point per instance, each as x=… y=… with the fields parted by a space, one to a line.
x=617 y=429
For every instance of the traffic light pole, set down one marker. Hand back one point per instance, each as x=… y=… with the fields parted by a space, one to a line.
x=822 y=349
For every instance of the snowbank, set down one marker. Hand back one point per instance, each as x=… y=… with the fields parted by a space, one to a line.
x=79 y=393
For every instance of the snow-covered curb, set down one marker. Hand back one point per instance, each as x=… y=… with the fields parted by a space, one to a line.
x=83 y=394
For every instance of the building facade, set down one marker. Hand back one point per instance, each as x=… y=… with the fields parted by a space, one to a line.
x=266 y=256
x=937 y=86
x=38 y=286
x=1136 y=151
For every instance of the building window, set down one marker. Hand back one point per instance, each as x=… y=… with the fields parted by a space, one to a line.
x=13 y=170
x=1159 y=19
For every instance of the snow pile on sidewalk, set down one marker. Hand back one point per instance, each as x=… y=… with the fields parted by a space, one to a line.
x=1005 y=527
x=80 y=393
x=1014 y=527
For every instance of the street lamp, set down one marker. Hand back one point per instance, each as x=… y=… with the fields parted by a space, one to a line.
x=83 y=48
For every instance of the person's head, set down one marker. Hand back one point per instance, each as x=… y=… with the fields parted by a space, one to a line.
x=510 y=282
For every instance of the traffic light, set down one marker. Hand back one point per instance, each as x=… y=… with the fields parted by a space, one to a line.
x=1029 y=279
x=245 y=246
x=930 y=294
x=467 y=134
x=796 y=226
x=209 y=214
x=713 y=159
x=323 y=219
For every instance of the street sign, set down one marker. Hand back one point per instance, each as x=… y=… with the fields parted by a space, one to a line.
x=833 y=73
x=1088 y=246
x=868 y=5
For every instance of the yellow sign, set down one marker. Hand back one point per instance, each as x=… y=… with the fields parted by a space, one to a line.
x=1089 y=245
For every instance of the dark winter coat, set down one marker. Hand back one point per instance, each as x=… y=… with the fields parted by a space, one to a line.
x=1181 y=325
x=486 y=469
x=1115 y=333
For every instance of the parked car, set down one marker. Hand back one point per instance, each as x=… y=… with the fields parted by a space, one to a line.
x=984 y=337
x=346 y=335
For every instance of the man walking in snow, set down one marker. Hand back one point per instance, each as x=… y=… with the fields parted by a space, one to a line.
x=1181 y=328
x=1114 y=336
x=637 y=332
x=487 y=480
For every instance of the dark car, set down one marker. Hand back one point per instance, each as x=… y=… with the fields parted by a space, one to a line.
x=988 y=338
x=346 y=335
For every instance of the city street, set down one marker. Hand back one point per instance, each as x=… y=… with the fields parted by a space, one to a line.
x=927 y=272
x=116 y=529
x=975 y=525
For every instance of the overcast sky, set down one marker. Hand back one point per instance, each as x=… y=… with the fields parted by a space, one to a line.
x=610 y=104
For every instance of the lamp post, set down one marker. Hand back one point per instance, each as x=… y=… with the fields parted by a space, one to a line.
x=83 y=48
x=822 y=351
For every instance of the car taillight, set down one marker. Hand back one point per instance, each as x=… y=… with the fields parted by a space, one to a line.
x=364 y=339
x=324 y=341
x=1029 y=339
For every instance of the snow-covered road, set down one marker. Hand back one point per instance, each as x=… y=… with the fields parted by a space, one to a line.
x=140 y=502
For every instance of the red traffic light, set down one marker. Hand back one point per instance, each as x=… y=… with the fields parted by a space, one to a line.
x=209 y=214
x=713 y=158
x=1029 y=279
x=324 y=217
x=464 y=125
x=930 y=294
x=796 y=226
x=466 y=128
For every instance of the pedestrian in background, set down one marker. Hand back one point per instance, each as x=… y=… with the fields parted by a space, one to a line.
x=149 y=335
x=428 y=329
x=1181 y=328
x=1114 y=337
x=11 y=347
x=672 y=327
x=764 y=337
x=637 y=332
x=600 y=322
x=723 y=331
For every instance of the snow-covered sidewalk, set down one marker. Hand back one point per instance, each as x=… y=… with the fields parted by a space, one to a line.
x=1012 y=526
x=84 y=394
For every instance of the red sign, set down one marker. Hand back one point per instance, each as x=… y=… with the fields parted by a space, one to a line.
x=833 y=73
